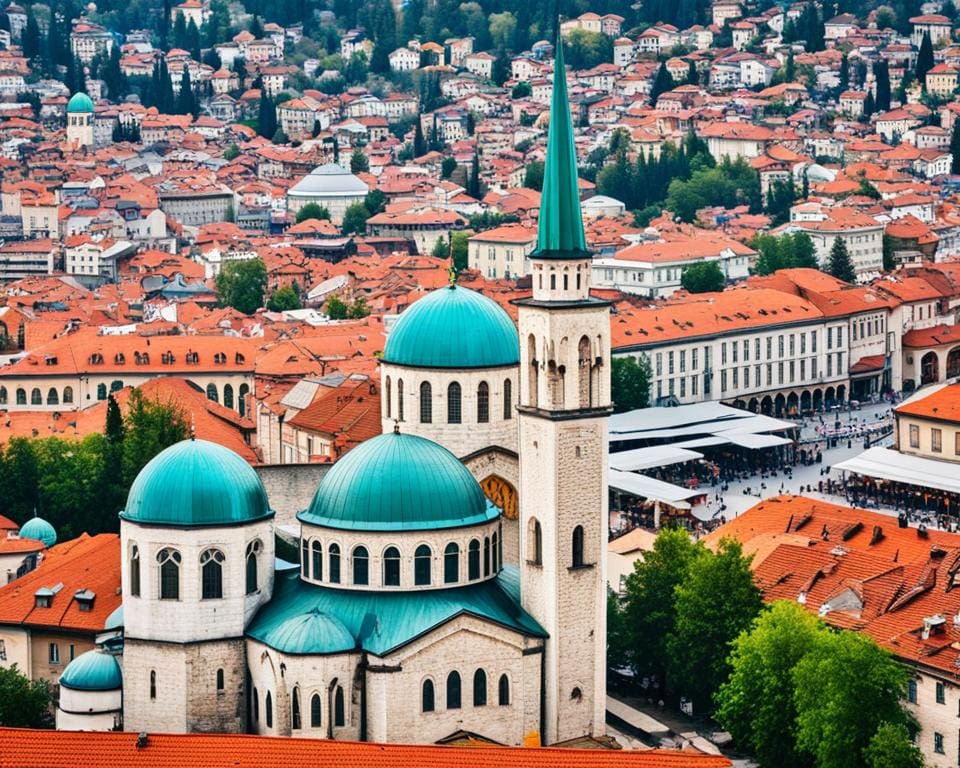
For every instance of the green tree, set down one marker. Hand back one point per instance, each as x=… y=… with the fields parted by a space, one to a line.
x=955 y=148
x=889 y=260
x=355 y=219
x=313 y=211
x=241 y=285
x=447 y=167
x=585 y=50
x=359 y=163
x=892 y=747
x=839 y=263
x=703 y=277
x=780 y=197
x=266 y=116
x=232 y=152
x=886 y=18
x=459 y=246
x=716 y=601
x=924 y=59
x=533 y=177
x=283 y=299
x=441 y=250
x=336 y=309
x=24 y=703
x=662 y=83
x=151 y=426
x=419 y=143
x=630 y=383
x=846 y=687
x=521 y=90
x=186 y=101
x=359 y=308
x=473 y=181
x=503 y=29
x=756 y=704
x=375 y=202
x=881 y=72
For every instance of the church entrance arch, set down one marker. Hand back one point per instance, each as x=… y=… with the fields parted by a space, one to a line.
x=953 y=363
x=929 y=368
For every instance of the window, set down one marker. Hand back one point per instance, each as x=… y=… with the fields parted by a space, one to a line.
x=256 y=706
x=253 y=554
x=426 y=403
x=334 y=563
x=427 y=703
x=37 y=399
x=135 y=571
x=3 y=650
x=453 y=403
x=421 y=566
x=339 y=718
x=3 y=395
x=391 y=567
x=361 y=570
x=941 y=693
x=220 y=685
x=503 y=691
x=169 y=560
x=496 y=554
x=912 y=691
x=577 y=546
x=483 y=403
x=914 y=436
x=479 y=688
x=212 y=393
x=956 y=443
x=317 y=558
x=473 y=560
x=938 y=743
x=936 y=440
x=388 y=391
x=67 y=396
x=228 y=396
x=451 y=564
x=153 y=684
x=211 y=571
x=54 y=653
x=507 y=399
x=315 y=711
x=486 y=555
x=399 y=399
x=21 y=397
x=295 y=710
x=453 y=690
x=535 y=543
x=52 y=397
x=268 y=708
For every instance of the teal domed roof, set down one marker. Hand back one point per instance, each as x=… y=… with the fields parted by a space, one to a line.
x=80 y=102
x=39 y=529
x=196 y=483
x=453 y=327
x=94 y=670
x=314 y=632
x=398 y=482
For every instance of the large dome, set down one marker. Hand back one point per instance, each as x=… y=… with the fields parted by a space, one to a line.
x=330 y=180
x=94 y=670
x=453 y=327
x=398 y=482
x=38 y=529
x=196 y=483
x=80 y=102
x=313 y=632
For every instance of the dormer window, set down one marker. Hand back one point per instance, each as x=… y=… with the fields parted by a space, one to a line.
x=43 y=597
x=239 y=358
x=167 y=358
x=119 y=359
x=193 y=357
x=220 y=358
x=85 y=599
x=51 y=360
x=96 y=359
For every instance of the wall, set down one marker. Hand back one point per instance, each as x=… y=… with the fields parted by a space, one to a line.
x=290 y=488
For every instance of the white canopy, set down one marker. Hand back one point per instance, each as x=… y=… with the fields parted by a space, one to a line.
x=888 y=464
x=653 y=456
x=649 y=488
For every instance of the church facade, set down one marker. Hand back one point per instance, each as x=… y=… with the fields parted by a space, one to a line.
x=451 y=570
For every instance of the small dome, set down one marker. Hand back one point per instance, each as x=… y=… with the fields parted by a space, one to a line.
x=453 y=327
x=314 y=632
x=39 y=529
x=397 y=482
x=80 y=102
x=94 y=670
x=196 y=483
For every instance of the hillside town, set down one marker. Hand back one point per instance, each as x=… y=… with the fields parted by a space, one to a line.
x=463 y=374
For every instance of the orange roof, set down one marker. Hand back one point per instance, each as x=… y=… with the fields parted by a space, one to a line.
x=942 y=404
x=69 y=749
x=350 y=413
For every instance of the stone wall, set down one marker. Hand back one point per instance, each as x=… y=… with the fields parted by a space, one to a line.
x=290 y=487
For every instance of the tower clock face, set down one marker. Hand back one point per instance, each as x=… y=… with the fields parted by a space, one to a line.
x=502 y=494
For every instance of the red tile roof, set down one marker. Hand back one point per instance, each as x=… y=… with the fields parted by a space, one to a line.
x=942 y=403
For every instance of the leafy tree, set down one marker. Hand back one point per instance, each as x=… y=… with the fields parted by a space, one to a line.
x=886 y=18
x=839 y=263
x=630 y=383
x=355 y=219
x=24 y=703
x=892 y=747
x=375 y=202
x=521 y=90
x=440 y=249
x=756 y=704
x=716 y=601
x=703 y=277
x=503 y=29
x=459 y=247
x=533 y=178
x=336 y=308
x=585 y=50
x=924 y=59
x=448 y=166
x=359 y=163
x=313 y=211
x=241 y=284
x=151 y=426
x=780 y=198
x=231 y=152
x=359 y=308
x=283 y=299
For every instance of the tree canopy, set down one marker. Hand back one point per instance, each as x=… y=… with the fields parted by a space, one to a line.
x=241 y=284
x=787 y=251
x=703 y=277
x=313 y=211
x=839 y=263
x=629 y=382
x=283 y=299
x=24 y=703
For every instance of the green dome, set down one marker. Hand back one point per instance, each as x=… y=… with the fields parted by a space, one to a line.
x=196 y=483
x=453 y=327
x=80 y=102
x=398 y=482
x=39 y=529
x=92 y=671
x=314 y=632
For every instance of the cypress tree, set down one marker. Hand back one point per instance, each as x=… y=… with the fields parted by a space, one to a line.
x=186 y=102
x=881 y=72
x=924 y=59
x=869 y=105
x=844 y=72
x=661 y=84
x=473 y=183
x=31 y=36
x=419 y=144
x=955 y=147
x=180 y=32
x=692 y=77
x=839 y=263
x=267 y=116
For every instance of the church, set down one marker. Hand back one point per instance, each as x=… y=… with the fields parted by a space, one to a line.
x=451 y=575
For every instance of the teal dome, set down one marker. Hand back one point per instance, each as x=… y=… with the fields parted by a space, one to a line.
x=196 y=483
x=39 y=529
x=80 y=102
x=398 y=482
x=314 y=632
x=92 y=671
x=453 y=327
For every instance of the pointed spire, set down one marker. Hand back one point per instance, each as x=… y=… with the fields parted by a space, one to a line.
x=561 y=222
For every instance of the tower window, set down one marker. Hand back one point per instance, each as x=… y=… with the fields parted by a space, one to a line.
x=453 y=403
x=578 y=546
x=317 y=549
x=576 y=694
x=211 y=574
x=421 y=566
x=361 y=570
x=339 y=714
x=553 y=281
x=305 y=558
x=253 y=554
x=268 y=709
x=451 y=563
x=507 y=399
x=388 y=391
x=153 y=684
x=334 y=563
x=495 y=553
x=427 y=703
x=483 y=403
x=315 y=711
x=220 y=685
x=473 y=560
x=503 y=691
x=426 y=403
x=295 y=710
x=391 y=567
x=256 y=706
x=535 y=542
x=400 y=399
x=135 y=571
x=169 y=561
x=486 y=555
x=453 y=690
x=479 y=688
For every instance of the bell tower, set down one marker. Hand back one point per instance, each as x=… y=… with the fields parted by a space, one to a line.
x=563 y=410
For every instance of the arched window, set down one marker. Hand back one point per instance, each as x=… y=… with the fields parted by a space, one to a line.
x=534 y=542
x=400 y=399
x=483 y=403
x=268 y=708
x=253 y=554
x=242 y=397
x=453 y=690
x=507 y=399
x=256 y=706
x=486 y=555
x=53 y=398
x=361 y=570
x=533 y=379
x=585 y=382
x=334 y=550
x=479 y=688
x=135 y=571
x=3 y=395
x=426 y=403
x=495 y=554
x=295 y=710
x=315 y=711
x=473 y=560
x=453 y=403
x=503 y=691
x=427 y=703
x=212 y=393
x=67 y=395
x=153 y=684
x=317 y=551
x=451 y=564
x=21 y=397
x=421 y=566
x=553 y=281
x=116 y=385
x=388 y=392
x=305 y=558
x=220 y=685
x=101 y=391
x=169 y=561
x=391 y=567
x=211 y=573
x=339 y=715
x=578 y=546
x=37 y=399
x=228 y=396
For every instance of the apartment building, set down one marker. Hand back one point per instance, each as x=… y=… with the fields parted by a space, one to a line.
x=502 y=252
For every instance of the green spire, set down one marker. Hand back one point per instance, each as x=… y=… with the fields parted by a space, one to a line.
x=561 y=223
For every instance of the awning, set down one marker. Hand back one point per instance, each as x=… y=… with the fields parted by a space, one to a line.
x=888 y=464
x=750 y=440
x=653 y=456
x=649 y=488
